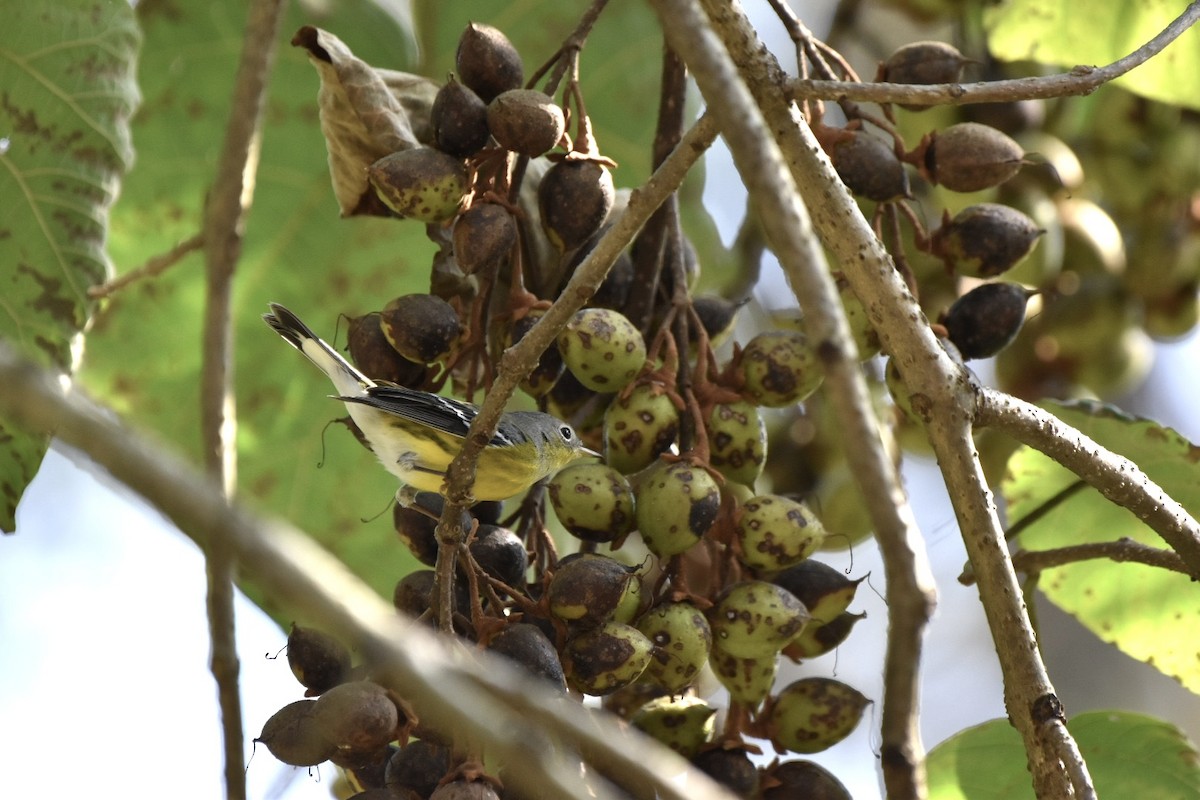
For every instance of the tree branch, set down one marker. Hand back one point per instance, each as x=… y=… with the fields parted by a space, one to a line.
x=227 y=203
x=1120 y=550
x=1113 y=475
x=1081 y=80
x=452 y=688
x=788 y=228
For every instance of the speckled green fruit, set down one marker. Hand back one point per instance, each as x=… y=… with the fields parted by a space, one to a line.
x=749 y=680
x=422 y=183
x=780 y=368
x=756 y=619
x=592 y=501
x=676 y=505
x=737 y=441
x=683 y=724
x=601 y=660
x=814 y=714
x=589 y=589
x=682 y=638
x=602 y=348
x=639 y=427
x=775 y=532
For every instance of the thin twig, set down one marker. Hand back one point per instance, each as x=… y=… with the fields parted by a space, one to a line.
x=1116 y=477
x=155 y=265
x=488 y=699
x=1081 y=80
x=910 y=585
x=1124 y=550
x=224 y=216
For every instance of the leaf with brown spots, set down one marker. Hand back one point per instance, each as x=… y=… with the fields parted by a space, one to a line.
x=1149 y=613
x=67 y=91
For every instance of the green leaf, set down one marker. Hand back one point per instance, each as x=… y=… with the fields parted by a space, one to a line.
x=66 y=95
x=1054 y=32
x=1128 y=755
x=1149 y=613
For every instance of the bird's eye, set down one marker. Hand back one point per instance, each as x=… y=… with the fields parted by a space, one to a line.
x=567 y=433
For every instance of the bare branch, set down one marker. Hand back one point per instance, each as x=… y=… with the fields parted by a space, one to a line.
x=1116 y=477
x=1081 y=80
x=155 y=265
x=487 y=699
x=227 y=203
x=1120 y=550
x=789 y=229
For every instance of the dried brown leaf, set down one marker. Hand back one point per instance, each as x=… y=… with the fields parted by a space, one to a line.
x=366 y=114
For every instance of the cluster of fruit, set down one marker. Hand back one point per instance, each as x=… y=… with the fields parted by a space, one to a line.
x=515 y=192
x=730 y=586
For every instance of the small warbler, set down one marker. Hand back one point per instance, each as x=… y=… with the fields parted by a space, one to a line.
x=417 y=434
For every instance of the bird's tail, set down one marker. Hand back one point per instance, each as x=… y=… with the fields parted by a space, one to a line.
x=348 y=380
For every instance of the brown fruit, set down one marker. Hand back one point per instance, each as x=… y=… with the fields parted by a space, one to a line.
x=483 y=235
x=422 y=327
x=318 y=660
x=372 y=353
x=459 y=120
x=526 y=121
x=986 y=319
x=357 y=716
x=292 y=736
x=487 y=61
x=985 y=240
x=923 y=63
x=870 y=168
x=969 y=157
x=574 y=199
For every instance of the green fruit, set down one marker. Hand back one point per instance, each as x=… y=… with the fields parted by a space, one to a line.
x=592 y=501
x=422 y=183
x=826 y=592
x=683 y=724
x=737 y=441
x=780 y=368
x=601 y=660
x=813 y=714
x=676 y=505
x=682 y=638
x=866 y=338
x=639 y=427
x=756 y=619
x=749 y=680
x=602 y=348
x=589 y=589
x=774 y=532
x=842 y=509
x=817 y=638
